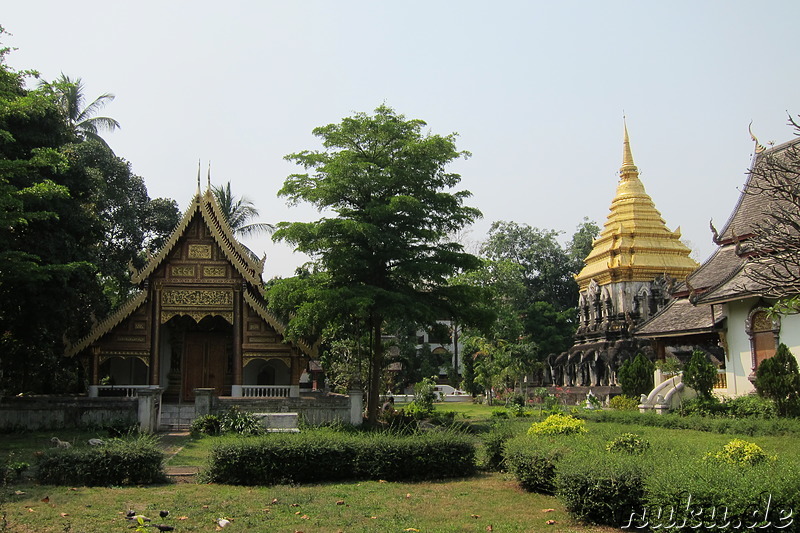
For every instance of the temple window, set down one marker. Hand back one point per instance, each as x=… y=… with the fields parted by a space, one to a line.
x=764 y=336
x=643 y=305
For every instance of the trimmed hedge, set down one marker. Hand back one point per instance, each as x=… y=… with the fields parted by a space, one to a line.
x=532 y=460
x=315 y=456
x=713 y=495
x=743 y=426
x=734 y=487
x=601 y=488
x=118 y=462
x=492 y=444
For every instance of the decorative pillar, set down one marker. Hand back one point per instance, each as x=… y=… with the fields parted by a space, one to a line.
x=95 y=365
x=155 y=336
x=149 y=409
x=238 y=370
x=203 y=402
x=356 y=407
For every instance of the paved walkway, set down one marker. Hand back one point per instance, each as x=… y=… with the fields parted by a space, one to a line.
x=171 y=448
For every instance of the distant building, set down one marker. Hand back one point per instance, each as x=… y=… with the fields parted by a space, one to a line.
x=448 y=345
x=626 y=279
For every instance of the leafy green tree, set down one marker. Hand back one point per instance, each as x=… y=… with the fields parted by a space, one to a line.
x=161 y=217
x=385 y=250
x=125 y=218
x=552 y=330
x=778 y=378
x=47 y=286
x=239 y=212
x=636 y=376
x=82 y=120
x=65 y=227
x=581 y=243
x=546 y=268
x=700 y=374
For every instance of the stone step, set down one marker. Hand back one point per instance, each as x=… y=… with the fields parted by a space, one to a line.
x=177 y=416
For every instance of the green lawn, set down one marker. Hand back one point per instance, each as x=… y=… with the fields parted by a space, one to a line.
x=473 y=504
x=460 y=505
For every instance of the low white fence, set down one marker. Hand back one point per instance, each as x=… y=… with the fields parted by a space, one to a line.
x=266 y=391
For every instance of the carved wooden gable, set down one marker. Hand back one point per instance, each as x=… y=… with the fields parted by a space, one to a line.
x=201 y=271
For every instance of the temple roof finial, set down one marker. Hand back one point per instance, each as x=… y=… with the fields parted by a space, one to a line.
x=759 y=147
x=198 y=177
x=209 y=174
x=627 y=156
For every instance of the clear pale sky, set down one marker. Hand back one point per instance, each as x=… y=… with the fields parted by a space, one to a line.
x=536 y=90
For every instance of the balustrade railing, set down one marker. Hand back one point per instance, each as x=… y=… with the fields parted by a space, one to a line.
x=721 y=382
x=266 y=391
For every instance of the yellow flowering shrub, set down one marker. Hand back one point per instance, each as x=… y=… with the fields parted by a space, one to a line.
x=741 y=453
x=558 y=425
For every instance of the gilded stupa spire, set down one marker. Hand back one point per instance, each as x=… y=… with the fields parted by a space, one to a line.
x=635 y=243
x=627 y=156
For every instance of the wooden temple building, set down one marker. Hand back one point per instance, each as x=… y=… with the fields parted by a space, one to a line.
x=627 y=279
x=197 y=320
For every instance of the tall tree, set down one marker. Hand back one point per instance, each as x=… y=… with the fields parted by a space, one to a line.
x=69 y=221
x=546 y=270
x=385 y=253
x=126 y=219
x=82 y=120
x=46 y=283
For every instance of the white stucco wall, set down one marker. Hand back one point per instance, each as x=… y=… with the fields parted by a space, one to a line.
x=739 y=363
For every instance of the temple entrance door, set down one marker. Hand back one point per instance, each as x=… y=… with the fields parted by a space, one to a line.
x=204 y=362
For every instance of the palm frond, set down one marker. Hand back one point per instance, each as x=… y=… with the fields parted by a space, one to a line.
x=92 y=109
x=238 y=212
x=98 y=124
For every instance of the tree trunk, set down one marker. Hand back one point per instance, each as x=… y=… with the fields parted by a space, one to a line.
x=376 y=369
